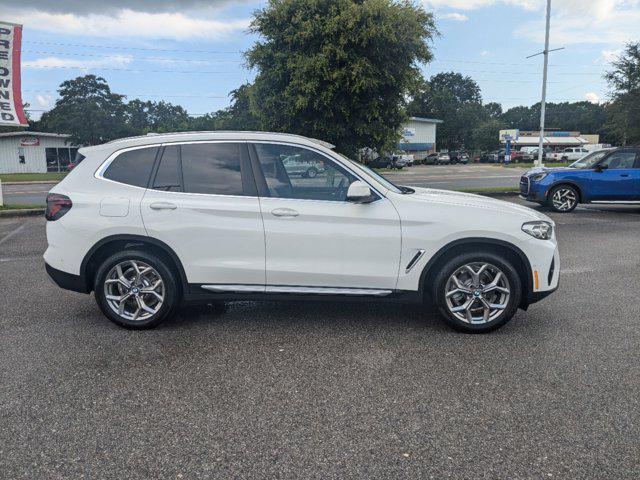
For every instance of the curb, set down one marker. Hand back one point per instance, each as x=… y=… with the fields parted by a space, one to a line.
x=506 y=193
x=23 y=212
x=33 y=182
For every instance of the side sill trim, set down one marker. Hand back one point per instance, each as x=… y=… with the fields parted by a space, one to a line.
x=298 y=290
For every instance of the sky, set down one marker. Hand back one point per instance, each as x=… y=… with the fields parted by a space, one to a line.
x=189 y=52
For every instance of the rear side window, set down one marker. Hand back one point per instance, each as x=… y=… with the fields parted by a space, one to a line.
x=213 y=168
x=132 y=167
x=169 y=176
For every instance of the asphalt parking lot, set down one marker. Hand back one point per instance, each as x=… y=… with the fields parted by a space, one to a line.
x=323 y=390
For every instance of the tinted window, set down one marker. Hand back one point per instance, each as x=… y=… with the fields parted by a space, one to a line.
x=212 y=168
x=132 y=167
x=619 y=160
x=294 y=172
x=168 y=176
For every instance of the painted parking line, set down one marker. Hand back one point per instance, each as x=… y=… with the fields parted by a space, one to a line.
x=12 y=233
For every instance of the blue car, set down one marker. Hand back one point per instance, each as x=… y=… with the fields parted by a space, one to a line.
x=605 y=176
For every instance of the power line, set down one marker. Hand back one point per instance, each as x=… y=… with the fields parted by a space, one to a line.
x=161 y=59
x=137 y=70
x=143 y=94
x=120 y=47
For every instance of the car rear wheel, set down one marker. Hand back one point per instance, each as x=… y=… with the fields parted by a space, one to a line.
x=135 y=289
x=563 y=198
x=477 y=292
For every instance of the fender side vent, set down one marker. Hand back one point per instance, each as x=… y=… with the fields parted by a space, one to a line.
x=414 y=260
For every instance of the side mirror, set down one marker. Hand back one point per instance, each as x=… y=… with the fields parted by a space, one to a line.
x=359 y=192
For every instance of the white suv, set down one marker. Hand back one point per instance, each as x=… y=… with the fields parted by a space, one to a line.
x=148 y=223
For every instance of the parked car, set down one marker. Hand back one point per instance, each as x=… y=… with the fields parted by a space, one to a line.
x=443 y=159
x=298 y=165
x=569 y=154
x=459 y=157
x=150 y=223
x=380 y=162
x=545 y=153
x=603 y=176
x=431 y=159
x=488 y=157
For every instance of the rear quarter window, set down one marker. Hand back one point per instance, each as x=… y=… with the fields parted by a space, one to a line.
x=132 y=167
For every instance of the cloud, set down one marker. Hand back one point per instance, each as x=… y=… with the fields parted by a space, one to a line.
x=116 y=61
x=458 y=17
x=43 y=101
x=592 y=97
x=485 y=53
x=129 y=23
x=101 y=6
x=474 y=4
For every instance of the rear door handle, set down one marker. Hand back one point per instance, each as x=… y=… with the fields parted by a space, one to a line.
x=162 y=206
x=284 y=212
x=624 y=174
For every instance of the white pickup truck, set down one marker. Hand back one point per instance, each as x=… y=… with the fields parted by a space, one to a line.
x=570 y=154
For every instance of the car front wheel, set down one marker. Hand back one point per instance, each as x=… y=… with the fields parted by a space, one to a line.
x=563 y=198
x=477 y=292
x=135 y=289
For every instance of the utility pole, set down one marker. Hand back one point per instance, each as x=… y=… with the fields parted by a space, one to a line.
x=545 y=52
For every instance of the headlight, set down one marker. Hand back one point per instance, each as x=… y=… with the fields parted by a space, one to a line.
x=538 y=176
x=541 y=230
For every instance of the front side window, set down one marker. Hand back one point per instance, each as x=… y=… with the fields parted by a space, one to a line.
x=132 y=167
x=295 y=172
x=619 y=160
x=213 y=168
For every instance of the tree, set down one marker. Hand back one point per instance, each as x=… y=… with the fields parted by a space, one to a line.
x=493 y=109
x=88 y=110
x=338 y=70
x=624 y=109
x=486 y=135
x=456 y=100
x=159 y=117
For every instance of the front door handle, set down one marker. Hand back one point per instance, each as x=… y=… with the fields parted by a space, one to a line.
x=162 y=206
x=624 y=174
x=284 y=212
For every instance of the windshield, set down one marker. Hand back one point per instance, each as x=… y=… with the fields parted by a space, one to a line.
x=372 y=173
x=590 y=160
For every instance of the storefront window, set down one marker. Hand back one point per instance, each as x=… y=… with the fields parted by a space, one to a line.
x=58 y=159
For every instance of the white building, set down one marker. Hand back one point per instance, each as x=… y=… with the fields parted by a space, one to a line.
x=419 y=135
x=35 y=152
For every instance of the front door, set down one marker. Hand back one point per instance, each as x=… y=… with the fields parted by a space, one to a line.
x=203 y=204
x=619 y=179
x=314 y=237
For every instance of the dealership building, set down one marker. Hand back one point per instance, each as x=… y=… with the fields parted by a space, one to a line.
x=553 y=139
x=35 y=152
x=419 y=135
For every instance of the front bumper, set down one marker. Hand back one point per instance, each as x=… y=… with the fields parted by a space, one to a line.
x=532 y=191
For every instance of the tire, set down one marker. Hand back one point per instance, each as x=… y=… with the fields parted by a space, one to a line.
x=482 y=314
x=116 y=276
x=563 y=198
x=312 y=173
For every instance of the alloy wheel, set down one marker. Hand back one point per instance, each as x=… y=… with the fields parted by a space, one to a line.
x=564 y=199
x=134 y=290
x=477 y=293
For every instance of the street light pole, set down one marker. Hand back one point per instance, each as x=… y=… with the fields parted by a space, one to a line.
x=544 y=86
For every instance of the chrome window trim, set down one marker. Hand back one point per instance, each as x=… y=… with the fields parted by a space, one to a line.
x=102 y=168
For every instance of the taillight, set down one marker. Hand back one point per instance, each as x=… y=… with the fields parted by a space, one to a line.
x=57 y=206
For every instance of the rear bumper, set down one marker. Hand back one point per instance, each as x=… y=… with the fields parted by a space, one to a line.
x=68 y=281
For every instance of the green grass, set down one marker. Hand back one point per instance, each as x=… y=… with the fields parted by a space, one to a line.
x=531 y=165
x=32 y=177
x=20 y=207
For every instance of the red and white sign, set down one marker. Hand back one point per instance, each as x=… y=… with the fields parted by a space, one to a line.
x=29 y=142
x=11 y=111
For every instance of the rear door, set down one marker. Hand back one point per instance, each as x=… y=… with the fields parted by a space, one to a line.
x=203 y=203
x=316 y=240
x=619 y=180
